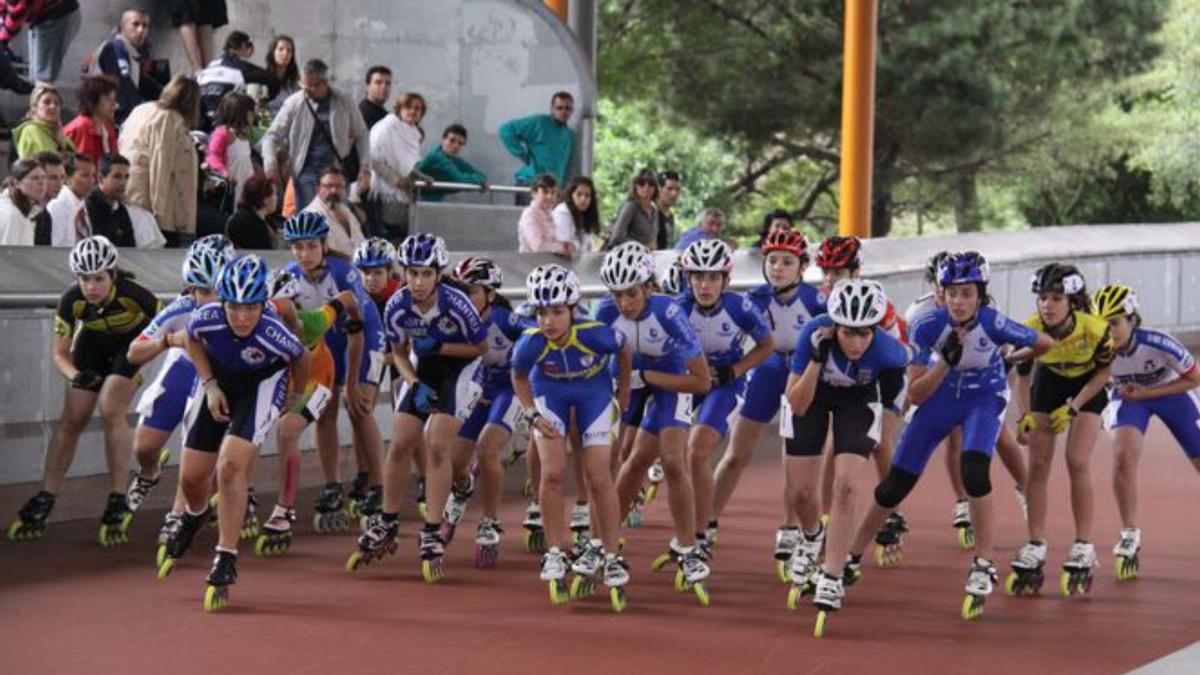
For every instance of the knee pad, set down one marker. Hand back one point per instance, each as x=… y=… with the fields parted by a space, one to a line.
x=976 y=480
x=894 y=488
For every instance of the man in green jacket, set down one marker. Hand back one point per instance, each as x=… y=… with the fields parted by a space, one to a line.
x=542 y=142
x=443 y=164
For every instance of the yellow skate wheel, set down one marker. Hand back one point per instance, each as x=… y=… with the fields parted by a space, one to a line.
x=1064 y=583
x=164 y=456
x=681 y=583
x=165 y=568
x=782 y=571
x=793 y=599
x=160 y=556
x=966 y=537
x=215 y=597
x=432 y=572
x=14 y=530
x=581 y=586
x=423 y=510
x=102 y=537
x=1010 y=583
x=260 y=545
x=558 y=592
x=352 y=509
x=701 y=594
x=660 y=562
x=825 y=519
x=617 y=596
x=819 y=626
x=354 y=562
x=972 y=606
x=652 y=492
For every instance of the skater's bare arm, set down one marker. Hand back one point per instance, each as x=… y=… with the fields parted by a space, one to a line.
x=802 y=388
x=1186 y=382
x=60 y=352
x=1094 y=385
x=463 y=350
x=624 y=366
x=761 y=351
x=925 y=381
x=697 y=380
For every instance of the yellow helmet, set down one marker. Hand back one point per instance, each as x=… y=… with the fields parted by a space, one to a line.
x=1114 y=300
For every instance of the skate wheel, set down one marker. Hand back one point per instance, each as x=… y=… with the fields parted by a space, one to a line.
x=793 y=598
x=819 y=626
x=782 y=571
x=534 y=541
x=825 y=519
x=681 y=582
x=248 y=532
x=701 y=594
x=652 y=492
x=1127 y=568
x=1010 y=583
x=966 y=537
x=634 y=519
x=660 y=562
x=164 y=568
x=972 y=606
x=215 y=597
x=355 y=561
x=558 y=592
x=161 y=556
x=616 y=595
x=260 y=545
x=352 y=509
x=888 y=556
x=431 y=571
x=485 y=556
x=163 y=457
x=1065 y=583
x=527 y=488
x=14 y=531
x=581 y=587
x=318 y=524
x=423 y=510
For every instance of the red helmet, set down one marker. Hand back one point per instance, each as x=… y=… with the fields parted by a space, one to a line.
x=839 y=253
x=789 y=241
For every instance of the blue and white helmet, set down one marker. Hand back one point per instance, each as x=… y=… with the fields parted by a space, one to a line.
x=244 y=281
x=424 y=250
x=672 y=281
x=202 y=265
x=374 y=252
x=93 y=255
x=216 y=241
x=550 y=285
x=965 y=267
x=283 y=284
x=305 y=225
x=626 y=266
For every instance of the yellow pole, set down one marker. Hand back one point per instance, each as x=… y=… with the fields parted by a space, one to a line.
x=559 y=7
x=858 y=118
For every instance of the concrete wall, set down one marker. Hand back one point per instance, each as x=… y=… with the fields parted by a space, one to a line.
x=478 y=62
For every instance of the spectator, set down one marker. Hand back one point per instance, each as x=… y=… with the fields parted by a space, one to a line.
x=93 y=131
x=52 y=26
x=106 y=209
x=443 y=164
x=281 y=63
x=708 y=226
x=577 y=217
x=669 y=187
x=196 y=21
x=52 y=166
x=228 y=147
x=379 y=90
x=395 y=152
x=638 y=218
x=42 y=128
x=778 y=219
x=233 y=71
x=248 y=227
x=20 y=202
x=542 y=142
x=125 y=56
x=164 y=171
x=68 y=217
x=345 y=228
x=321 y=126
x=535 y=230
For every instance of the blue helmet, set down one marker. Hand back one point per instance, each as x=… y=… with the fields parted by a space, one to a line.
x=964 y=267
x=305 y=225
x=244 y=281
x=216 y=241
x=202 y=265
x=424 y=250
x=374 y=252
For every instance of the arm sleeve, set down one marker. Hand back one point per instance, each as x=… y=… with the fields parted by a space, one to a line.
x=533 y=236
x=800 y=355
x=525 y=352
x=620 y=231
x=144 y=298
x=751 y=319
x=217 y=146
x=64 y=320
x=512 y=135
x=380 y=140
x=1003 y=330
x=461 y=171
x=276 y=134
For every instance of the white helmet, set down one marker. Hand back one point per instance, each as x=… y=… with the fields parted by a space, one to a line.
x=857 y=303
x=626 y=266
x=672 y=281
x=707 y=255
x=550 y=285
x=93 y=255
x=283 y=284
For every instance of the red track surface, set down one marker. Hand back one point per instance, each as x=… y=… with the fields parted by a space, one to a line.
x=68 y=606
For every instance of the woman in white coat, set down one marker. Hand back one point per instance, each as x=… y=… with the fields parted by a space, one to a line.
x=395 y=151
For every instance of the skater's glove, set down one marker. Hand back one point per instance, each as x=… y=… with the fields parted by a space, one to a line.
x=820 y=344
x=952 y=350
x=1026 y=424
x=426 y=346
x=1060 y=418
x=725 y=375
x=88 y=380
x=425 y=398
x=636 y=381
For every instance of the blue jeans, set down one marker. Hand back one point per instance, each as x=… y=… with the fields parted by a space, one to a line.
x=306 y=186
x=48 y=43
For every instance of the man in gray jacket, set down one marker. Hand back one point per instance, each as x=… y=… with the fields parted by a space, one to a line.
x=318 y=126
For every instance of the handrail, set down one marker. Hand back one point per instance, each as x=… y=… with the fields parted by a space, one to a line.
x=471 y=187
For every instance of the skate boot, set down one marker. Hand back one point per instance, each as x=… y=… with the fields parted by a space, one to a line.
x=1076 y=578
x=370 y=506
x=588 y=563
x=1126 y=551
x=357 y=493
x=276 y=536
x=31 y=519
x=961 y=522
x=786 y=539
x=169 y=528
x=178 y=545
x=981 y=581
x=889 y=541
x=330 y=512
x=139 y=491
x=580 y=522
x=636 y=515
x=377 y=543
x=250 y=527
x=616 y=576
x=431 y=549
x=487 y=542
x=535 y=534
x=806 y=566
x=456 y=507
x=710 y=533
x=691 y=574
x=852 y=569
x=827 y=598
x=655 y=474
x=222 y=575
x=554 y=572
x=114 y=522
x=1027 y=573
